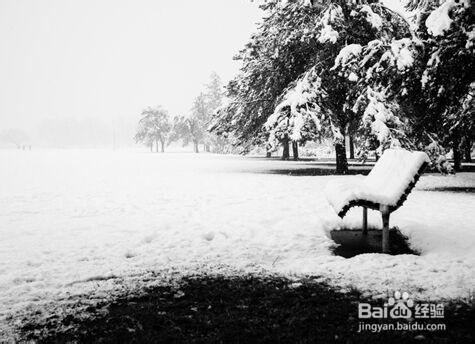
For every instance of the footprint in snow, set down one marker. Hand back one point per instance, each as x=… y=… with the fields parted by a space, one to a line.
x=208 y=236
x=130 y=254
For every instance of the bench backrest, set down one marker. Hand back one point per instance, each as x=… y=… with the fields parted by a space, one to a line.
x=393 y=173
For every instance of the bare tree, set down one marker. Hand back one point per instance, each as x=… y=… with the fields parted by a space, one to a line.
x=154 y=128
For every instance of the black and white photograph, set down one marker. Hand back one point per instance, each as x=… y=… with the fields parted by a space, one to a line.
x=239 y=171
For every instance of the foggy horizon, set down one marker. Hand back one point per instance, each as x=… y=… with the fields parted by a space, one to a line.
x=103 y=62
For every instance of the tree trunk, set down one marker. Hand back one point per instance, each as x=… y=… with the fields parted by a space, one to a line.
x=163 y=146
x=295 y=150
x=352 y=147
x=196 y=148
x=467 y=149
x=385 y=240
x=268 y=154
x=341 y=162
x=151 y=147
x=365 y=221
x=285 y=152
x=456 y=152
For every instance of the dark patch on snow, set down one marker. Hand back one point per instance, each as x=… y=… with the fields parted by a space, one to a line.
x=321 y=170
x=93 y=279
x=241 y=309
x=463 y=189
x=351 y=243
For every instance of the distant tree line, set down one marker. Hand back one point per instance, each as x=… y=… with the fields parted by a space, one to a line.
x=16 y=137
x=157 y=129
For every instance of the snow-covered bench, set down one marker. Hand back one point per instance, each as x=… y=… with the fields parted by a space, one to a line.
x=384 y=189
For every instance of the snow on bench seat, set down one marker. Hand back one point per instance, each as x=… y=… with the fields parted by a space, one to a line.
x=388 y=183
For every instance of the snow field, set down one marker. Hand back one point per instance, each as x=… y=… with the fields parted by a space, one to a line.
x=70 y=221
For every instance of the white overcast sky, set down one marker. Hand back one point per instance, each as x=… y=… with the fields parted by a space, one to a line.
x=111 y=58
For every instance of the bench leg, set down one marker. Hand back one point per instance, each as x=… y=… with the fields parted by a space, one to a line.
x=365 y=220
x=385 y=242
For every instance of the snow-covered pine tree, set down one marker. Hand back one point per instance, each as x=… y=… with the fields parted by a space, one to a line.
x=200 y=116
x=447 y=79
x=297 y=117
x=374 y=65
x=422 y=71
x=342 y=29
x=380 y=70
x=214 y=99
x=214 y=92
x=280 y=51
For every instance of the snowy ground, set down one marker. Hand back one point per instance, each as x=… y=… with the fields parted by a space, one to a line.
x=71 y=219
